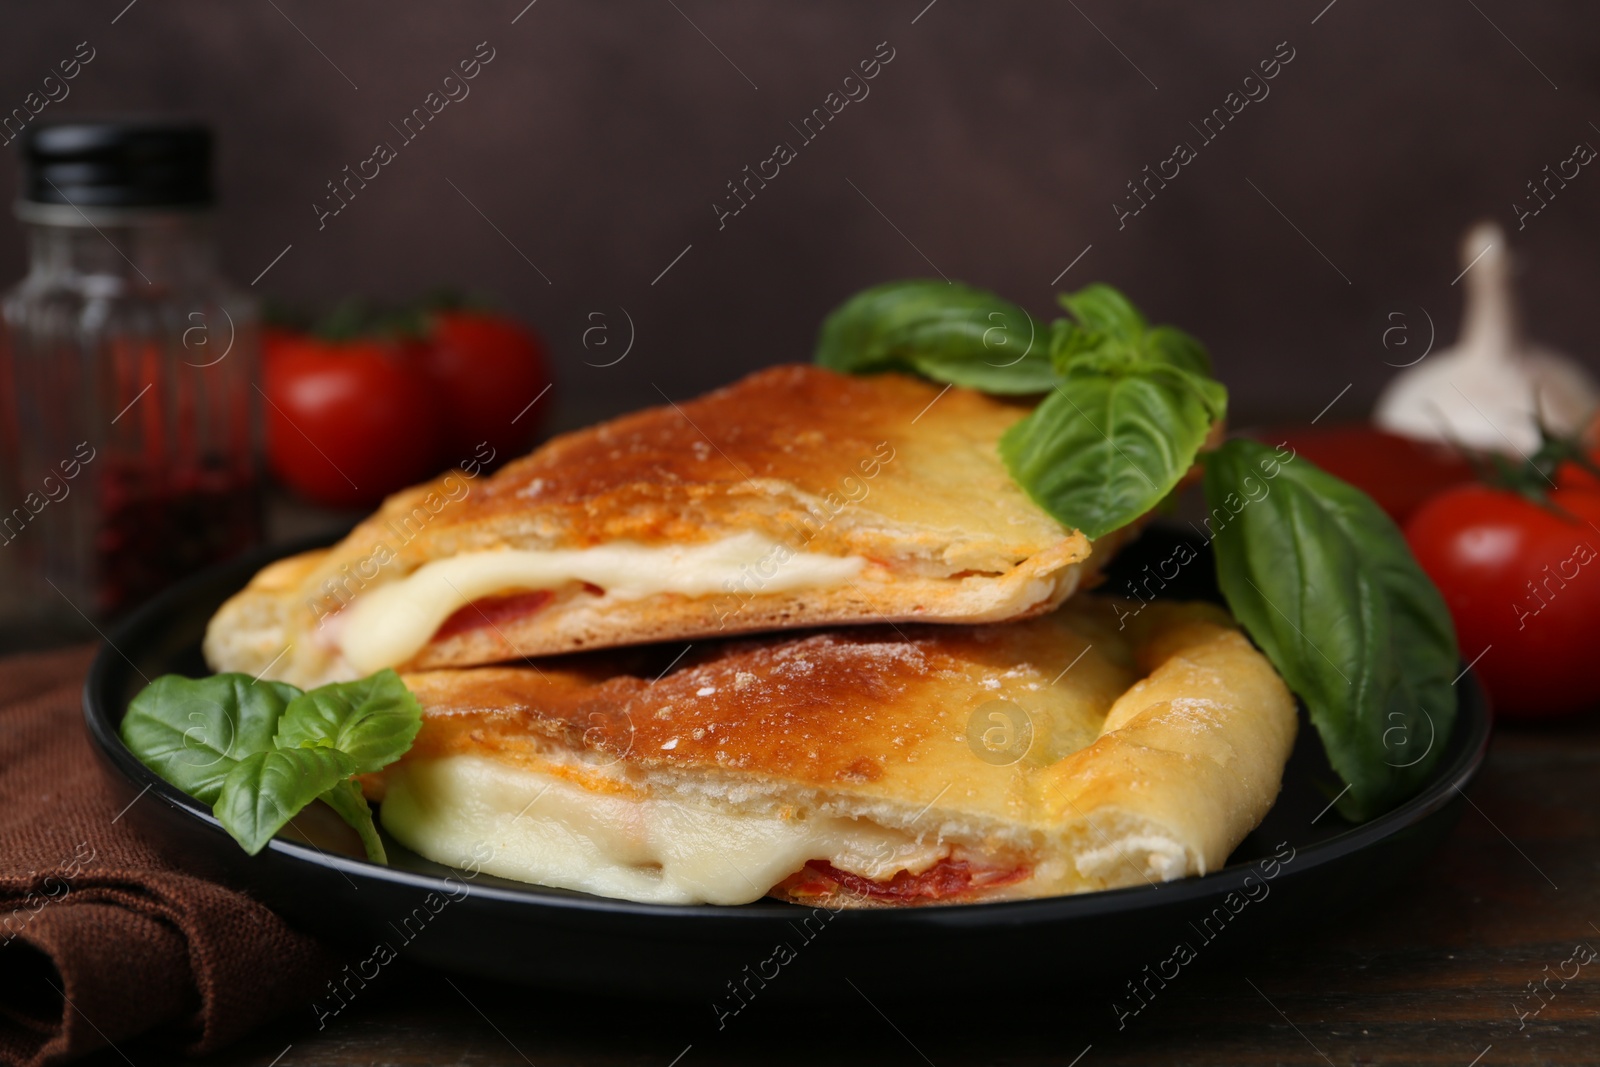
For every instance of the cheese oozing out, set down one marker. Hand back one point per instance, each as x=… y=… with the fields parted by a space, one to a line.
x=542 y=828
x=389 y=624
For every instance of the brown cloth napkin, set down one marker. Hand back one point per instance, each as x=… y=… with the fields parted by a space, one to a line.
x=100 y=938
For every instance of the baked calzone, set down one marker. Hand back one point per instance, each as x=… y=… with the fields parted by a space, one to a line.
x=1094 y=747
x=796 y=497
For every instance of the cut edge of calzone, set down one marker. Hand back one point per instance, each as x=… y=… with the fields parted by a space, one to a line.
x=1103 y=745
x=795 y=497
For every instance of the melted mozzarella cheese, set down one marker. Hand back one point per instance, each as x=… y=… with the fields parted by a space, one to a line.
x=544 y=829
x=389 y=624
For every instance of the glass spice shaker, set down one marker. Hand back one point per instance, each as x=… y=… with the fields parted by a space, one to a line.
x=128 y=423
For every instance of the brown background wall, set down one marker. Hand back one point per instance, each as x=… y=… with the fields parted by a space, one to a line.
x=995 y=142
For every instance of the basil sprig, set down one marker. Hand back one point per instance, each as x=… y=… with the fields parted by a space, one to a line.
x=1323 y=581
x=1127 y=408
x=1313 y=569
x=259 y=752
x=945 y=331
x=1123 y=422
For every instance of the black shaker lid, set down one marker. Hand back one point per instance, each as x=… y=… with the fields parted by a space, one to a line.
x=117 y=164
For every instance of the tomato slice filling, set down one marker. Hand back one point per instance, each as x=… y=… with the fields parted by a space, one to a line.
x=946 y=879
x=492 y=611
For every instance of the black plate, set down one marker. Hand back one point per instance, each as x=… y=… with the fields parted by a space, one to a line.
x=498 y=928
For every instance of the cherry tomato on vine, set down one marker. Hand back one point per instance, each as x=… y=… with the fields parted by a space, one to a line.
x=348 y=422
x=487 y=371
x=1522 y=581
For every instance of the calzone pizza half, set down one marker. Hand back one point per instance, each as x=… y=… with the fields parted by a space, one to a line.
x=1094 y=747
x=796 y=497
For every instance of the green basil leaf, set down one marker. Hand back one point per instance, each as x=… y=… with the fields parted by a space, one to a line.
x=1068 y=341
x=945 y=331
x=1324 y=583
x=373 y=720
x=266 y=790
x=1101 y=309
x=1212 y=393
x=1103 y=449
x=259 y=752
x=194 y=731
x=1109 y=328
x=1171 y=345
x=1082 y=351
x=346 y=799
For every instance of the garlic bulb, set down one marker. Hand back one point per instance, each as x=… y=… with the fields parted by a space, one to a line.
x=1489 y=391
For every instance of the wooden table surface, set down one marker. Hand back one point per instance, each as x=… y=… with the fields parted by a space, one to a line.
x=1434 y=970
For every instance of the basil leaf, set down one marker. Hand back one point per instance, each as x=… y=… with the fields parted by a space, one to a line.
x=945 y=331
x=346 y=799
x=1210 y=392
x=1171 y=345
x=1104 y=448
x=259 y=752
x=1323 y=581
x=1110 y=328
x=266 y=790
x=373 y=720
x=1101 y=309
x=194 y=731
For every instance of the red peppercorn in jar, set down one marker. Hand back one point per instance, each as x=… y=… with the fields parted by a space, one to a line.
x=127 y=411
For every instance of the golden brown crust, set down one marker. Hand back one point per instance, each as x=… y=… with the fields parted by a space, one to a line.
x=903 y=474
x=1155 y=747
x=862 y=706
x=1175 y=749
x=671 y=474
x=750 y=455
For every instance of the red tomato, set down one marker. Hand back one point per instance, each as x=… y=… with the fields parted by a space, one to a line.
x=347 y=422
x=487 y=370
x=1522 y=582
x=1573 y=476
x=1400 y=473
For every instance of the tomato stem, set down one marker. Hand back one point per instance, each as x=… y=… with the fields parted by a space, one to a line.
x=1534 y=477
